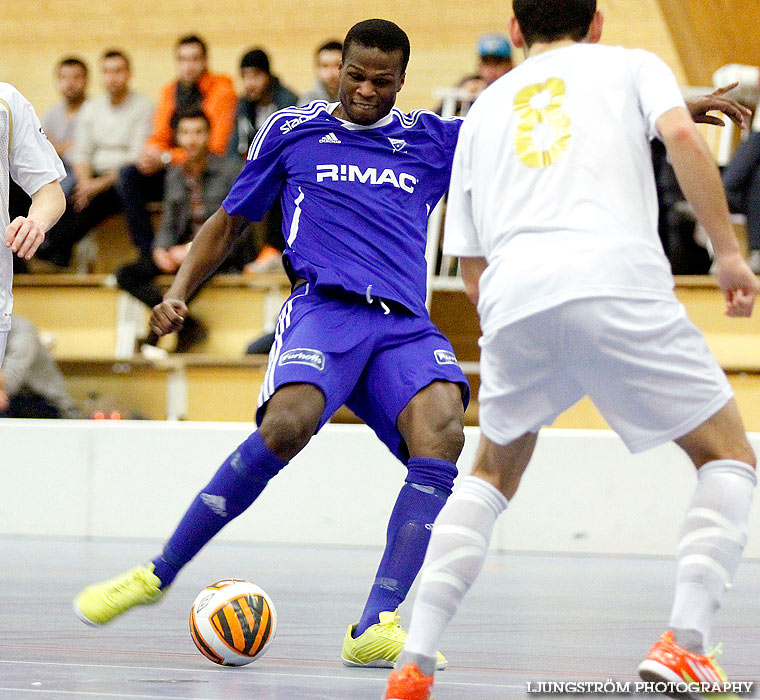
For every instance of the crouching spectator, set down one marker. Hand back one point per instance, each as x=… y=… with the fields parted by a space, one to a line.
x=193 y=192
x=31 y=385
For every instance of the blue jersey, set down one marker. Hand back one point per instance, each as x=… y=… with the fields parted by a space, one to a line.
x=355 y=200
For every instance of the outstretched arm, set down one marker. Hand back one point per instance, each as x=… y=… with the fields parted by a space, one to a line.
x=25 y=233
x=210 y=246
x=717 y=101
x=700 y=181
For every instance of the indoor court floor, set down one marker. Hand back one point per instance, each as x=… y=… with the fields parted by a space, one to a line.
x=529 y=618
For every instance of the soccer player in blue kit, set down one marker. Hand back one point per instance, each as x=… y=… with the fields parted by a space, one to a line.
x=357 y=180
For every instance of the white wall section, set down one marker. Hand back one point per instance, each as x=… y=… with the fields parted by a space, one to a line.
x=583 y=493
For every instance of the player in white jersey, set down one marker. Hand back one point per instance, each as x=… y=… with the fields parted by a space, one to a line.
x=30 y=159
x=553 y=212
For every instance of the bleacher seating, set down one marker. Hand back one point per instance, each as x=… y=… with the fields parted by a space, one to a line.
x=85 y=314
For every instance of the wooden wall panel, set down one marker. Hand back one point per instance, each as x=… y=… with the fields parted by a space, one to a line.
x=36 y=33
x=710 y=33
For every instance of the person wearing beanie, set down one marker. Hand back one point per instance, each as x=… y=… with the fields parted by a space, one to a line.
x=263 y=95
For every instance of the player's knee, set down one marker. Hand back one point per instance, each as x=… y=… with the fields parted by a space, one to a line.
x=445 y=433
x=288 y=426
x=286 y=433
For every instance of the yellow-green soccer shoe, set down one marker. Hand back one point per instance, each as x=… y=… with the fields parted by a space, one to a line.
x=380 y=645
x=102 y=602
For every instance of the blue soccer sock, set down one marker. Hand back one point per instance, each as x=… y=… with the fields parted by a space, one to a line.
x=427 y=487
x=237 y=484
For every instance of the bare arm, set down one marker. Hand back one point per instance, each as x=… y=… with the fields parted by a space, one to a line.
x=472 y=269
x=700 y=181
x=25 y=233
x=210 y=246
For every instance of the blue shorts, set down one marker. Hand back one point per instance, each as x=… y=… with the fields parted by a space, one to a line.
x=372 y=357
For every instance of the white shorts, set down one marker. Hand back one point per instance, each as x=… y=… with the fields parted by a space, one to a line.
x=643 y=363
x=3 y=340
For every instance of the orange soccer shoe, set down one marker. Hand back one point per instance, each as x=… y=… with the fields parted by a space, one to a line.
x=670 y=663
x=408 y=684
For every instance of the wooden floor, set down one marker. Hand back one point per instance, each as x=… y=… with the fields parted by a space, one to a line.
x=529 y=618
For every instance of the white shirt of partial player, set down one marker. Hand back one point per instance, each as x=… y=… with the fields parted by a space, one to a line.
x=552 y=181
x=29 y=158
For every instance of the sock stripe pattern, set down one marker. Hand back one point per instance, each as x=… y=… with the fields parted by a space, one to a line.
x=455 y=556
x=463 y=531
x=712 y=541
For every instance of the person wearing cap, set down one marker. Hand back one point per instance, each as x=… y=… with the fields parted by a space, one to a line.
x=495 y=54
x=263 y=95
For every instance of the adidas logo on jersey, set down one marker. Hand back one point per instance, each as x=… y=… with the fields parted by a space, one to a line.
x=353 y=173
x=330 y=138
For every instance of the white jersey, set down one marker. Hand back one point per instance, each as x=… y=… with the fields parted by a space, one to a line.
x=552 y=182
x=30 y=159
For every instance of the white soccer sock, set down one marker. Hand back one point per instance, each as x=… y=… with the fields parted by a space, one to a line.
x=454 y=558
x=712 y=541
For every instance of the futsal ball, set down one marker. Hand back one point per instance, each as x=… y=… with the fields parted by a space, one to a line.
x=232 y=622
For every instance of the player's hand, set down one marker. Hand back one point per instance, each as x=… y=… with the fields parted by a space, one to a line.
x=738 y=283
x=168 y=316
x=164 y=261
x=5 y=401
x=718 y=102
x=23 y=236
x=178 y=253
x=149 y=161
x=84 y=193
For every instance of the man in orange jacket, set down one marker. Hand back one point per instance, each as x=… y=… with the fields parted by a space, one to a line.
x=195 y=88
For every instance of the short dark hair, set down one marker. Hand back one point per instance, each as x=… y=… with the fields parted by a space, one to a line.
x=332 y=45
x=115 y=53
x=192 y=39
x=551 y=20
x=256 y=58
x=194 y=114
x=72 y=61
x=379 y=34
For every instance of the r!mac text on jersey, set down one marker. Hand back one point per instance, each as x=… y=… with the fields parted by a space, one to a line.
x=353 y=173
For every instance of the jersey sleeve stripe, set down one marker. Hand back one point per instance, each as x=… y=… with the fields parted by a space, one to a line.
x=305 y=113
x=408 y=121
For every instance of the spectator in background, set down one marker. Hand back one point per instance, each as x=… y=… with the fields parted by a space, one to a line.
x=495 y=54
x=195 y=88
x=60 y=121
x=327 y=62
x=31 y=385
x=194 y=191
x=469 y=88
x=112 y=130
x=263 y=95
